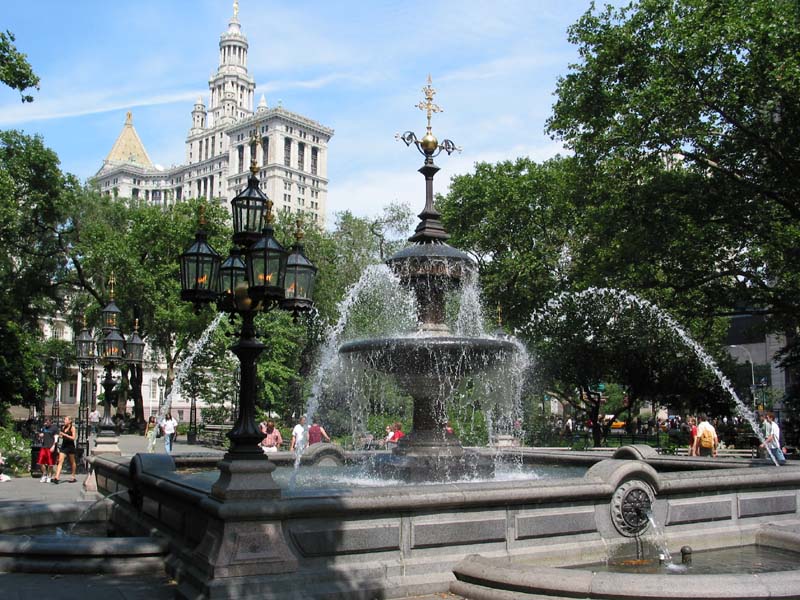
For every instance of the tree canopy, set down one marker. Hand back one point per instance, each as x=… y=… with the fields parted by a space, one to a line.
x=15 y=70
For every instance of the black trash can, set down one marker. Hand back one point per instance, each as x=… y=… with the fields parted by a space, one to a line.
x=36 y=470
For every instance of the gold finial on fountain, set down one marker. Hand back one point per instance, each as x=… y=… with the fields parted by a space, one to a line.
x=111 y=281
x=429 y=143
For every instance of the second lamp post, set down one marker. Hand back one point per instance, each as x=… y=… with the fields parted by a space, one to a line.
x=257 y=276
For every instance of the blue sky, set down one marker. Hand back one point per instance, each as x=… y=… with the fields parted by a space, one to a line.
x=357 y=67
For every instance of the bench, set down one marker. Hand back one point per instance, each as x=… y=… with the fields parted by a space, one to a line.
x=725 y=452
x=214 y=434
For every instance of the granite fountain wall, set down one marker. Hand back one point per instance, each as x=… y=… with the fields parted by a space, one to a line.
x=394 y=541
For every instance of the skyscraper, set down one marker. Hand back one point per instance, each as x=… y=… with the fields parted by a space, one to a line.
x=290 y=149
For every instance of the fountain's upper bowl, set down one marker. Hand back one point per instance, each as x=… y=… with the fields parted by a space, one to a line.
x=431 y=258
x=440 y=355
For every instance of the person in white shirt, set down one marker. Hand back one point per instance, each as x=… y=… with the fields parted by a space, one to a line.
x=170 y=428
x=299 y=436
x=773 y=441
x=94 y=420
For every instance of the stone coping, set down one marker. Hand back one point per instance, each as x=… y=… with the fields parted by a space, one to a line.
x=480 y=578
x=599 y=482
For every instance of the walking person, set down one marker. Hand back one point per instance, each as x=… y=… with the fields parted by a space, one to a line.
x=47 y=451
x=299 y=436
x=94 y=420
x=692 y=435
x=169 y=427
x=316 y=432
x=773 y=439
x=67 y=434
x=151 y=434
x=706 y=442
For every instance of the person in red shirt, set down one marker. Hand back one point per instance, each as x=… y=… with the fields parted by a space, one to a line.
x=316 y=432
x=398 y=432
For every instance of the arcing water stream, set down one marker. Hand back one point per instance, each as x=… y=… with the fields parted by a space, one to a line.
x=629 y=300
x=187 y=363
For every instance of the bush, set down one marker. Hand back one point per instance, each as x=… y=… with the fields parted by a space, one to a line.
x=16 y=452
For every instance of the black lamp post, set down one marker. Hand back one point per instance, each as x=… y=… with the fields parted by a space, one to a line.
x=84 y=351
x=161 y=383
x=258 y=283
x=111 y=352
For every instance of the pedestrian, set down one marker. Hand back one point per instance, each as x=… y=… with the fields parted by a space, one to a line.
x=169 y=427
x=316 y=432
x=299 y=436
x=67 y=435
x=94 y=420
x=389 y=434
x=272 y=438
x=692 y=435
x=398 y=432
x=773 y=439
x=48 y=436
x=151 y=434
x=706 y=441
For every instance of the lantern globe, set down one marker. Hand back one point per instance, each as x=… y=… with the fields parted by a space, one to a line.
x=199 y=266
x=232 y=276
x=298 y=281
x=249 y=209
x=266 y=266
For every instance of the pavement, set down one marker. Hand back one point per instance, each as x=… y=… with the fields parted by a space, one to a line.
x=28 y=491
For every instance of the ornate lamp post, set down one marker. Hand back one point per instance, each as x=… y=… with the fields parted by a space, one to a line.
x=85 y=353
x=111 y=350
x=161 y=384
x=252 y=279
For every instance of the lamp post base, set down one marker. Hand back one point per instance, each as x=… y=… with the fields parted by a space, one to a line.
x=107 y=442
x=245 y=479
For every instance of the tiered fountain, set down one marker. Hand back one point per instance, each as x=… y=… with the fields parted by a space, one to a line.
x=429 y=365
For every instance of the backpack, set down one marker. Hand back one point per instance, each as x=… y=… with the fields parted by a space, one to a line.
x=707 y=439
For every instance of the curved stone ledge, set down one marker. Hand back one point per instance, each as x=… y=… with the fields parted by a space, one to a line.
x=479 y=578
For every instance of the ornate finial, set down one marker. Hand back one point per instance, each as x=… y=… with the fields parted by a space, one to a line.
x=298 y=232
x=499 y=315
x=428 y=106
x=129 y=118
x=136 y=325
x=429 y=146
x=111 y=281
x=253 y=149
x=201 y=217
x=84 y=320
x=235 y=9
x=270 y=217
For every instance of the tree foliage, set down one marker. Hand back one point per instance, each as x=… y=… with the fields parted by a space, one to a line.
x=15 y=70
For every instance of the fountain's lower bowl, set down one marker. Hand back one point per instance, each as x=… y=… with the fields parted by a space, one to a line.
x=438 y=356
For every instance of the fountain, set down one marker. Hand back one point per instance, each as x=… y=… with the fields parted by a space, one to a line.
x=480 y=539
x=429 y=366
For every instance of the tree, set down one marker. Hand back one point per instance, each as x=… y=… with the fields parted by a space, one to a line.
x=710 y=93
x=15 y=71
x=517 y=219
x=141 y=246
x=35 y=201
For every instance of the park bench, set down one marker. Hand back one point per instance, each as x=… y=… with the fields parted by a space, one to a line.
x=214 y=434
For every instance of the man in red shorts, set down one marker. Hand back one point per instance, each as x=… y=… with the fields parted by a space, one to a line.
x=47 y=452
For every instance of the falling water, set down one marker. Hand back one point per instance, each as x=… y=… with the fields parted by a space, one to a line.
x=628 y=300
x=71 y=528
x=397 y=307
x=186 y=365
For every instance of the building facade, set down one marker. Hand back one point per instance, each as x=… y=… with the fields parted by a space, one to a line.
x=225 y=136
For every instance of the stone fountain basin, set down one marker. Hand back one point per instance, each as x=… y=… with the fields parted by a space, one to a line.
x=24 y=553
x=434 y=355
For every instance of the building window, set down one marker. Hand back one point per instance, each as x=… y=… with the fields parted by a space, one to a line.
x=314 y=160
x=287 y=152
x=301 y=156
x=73 y=390
x=240 y=168
x=265 y=151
